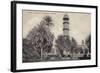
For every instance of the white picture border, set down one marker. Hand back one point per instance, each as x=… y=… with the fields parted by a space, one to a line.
x=37 y=65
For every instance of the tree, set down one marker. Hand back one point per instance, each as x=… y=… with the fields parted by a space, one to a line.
x=88 y=42
x=73 y=43
x=41 y=37
x=29 y=53
x=73 y=46
x=63 y=44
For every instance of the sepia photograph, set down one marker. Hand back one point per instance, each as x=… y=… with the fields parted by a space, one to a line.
x=48 y=36
x=55 y=36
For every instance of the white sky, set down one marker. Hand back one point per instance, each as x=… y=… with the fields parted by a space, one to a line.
x=80 y=23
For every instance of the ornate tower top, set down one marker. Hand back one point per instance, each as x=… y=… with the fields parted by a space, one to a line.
x=66 y=17
x=66 y=26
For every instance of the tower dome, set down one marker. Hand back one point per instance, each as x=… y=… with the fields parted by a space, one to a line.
x=66 y=17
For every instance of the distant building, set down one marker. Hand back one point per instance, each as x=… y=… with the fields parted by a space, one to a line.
x=81 y=51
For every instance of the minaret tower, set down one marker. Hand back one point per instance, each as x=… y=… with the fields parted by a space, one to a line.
x=66 y=26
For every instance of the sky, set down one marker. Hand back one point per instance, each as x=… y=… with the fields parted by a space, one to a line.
x=79 y=27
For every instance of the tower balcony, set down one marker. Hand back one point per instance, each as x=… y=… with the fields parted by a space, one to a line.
x=65 y=22
x=65 y=29
x=65 y=18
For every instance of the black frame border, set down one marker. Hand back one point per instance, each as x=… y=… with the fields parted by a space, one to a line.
x=13 y=35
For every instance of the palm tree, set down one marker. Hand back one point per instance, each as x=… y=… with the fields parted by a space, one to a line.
x=48 y=20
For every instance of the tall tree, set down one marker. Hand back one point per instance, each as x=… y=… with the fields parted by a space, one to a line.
x=41 y=37
x=73 y=45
